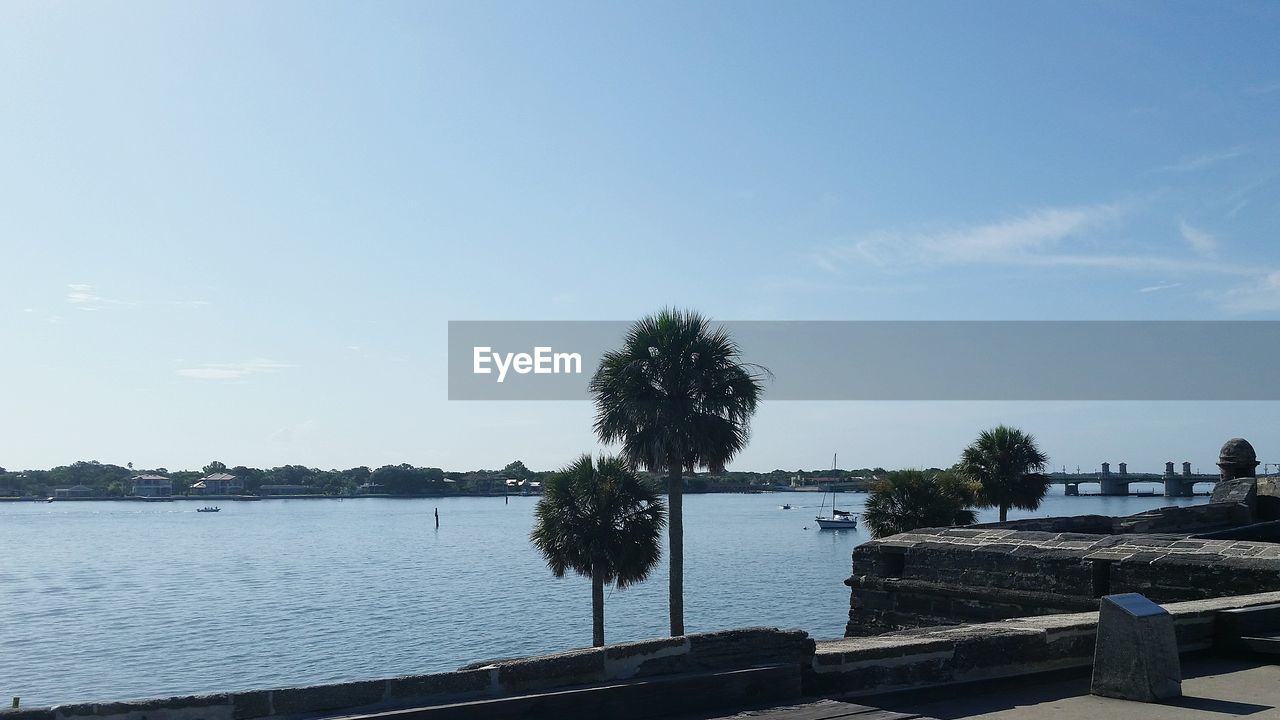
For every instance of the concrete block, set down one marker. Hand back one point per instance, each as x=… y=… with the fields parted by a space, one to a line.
x=1136 y=654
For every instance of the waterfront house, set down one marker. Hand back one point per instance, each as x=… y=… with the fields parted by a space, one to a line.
x=372 y=489
x=152 y=486
x=218 y=484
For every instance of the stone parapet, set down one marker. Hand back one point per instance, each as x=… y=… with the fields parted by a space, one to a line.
x=984 y=651
x=699 y=653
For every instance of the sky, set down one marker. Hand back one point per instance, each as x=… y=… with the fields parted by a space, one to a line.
x=238 y=230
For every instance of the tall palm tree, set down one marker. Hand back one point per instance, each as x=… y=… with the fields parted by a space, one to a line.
x=1009 y=467
x=678 y=397
x=909 y=499
x=602 y=522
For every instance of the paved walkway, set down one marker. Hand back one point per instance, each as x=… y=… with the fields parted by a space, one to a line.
x=1211 y=688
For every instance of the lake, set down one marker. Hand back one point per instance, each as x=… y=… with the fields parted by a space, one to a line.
x=119 y=600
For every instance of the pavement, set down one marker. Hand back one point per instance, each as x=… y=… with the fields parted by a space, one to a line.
x=1211 y=688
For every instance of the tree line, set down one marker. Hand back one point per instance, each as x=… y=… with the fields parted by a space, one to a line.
x=108 y=480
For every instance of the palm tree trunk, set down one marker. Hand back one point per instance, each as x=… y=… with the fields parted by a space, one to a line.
x=675 y=532
x=1004 y=513
x=597 y=606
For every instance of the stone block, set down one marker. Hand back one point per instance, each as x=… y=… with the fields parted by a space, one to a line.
x=323 y=698
x=1136 y=654
x=577 y=667
x=439 y=686
x=254 y=704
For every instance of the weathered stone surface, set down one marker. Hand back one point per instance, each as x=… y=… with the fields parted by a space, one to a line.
x=1136 y=655
x=950 y=575
x=321 y=698
x=247 y=705
x=33 y=714
x=560 y=670
x=441 y=686
x=1241 y=491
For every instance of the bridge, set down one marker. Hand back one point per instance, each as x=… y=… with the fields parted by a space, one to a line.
x=1117 y=483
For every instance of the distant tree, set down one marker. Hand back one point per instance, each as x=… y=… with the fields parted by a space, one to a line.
x=214 y=467
x=678 y=396
x=516 y=470
x=602 y=522
x=1009 y=467
x=908 y=499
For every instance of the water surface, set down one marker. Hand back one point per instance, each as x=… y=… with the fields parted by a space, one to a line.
x=116 y=600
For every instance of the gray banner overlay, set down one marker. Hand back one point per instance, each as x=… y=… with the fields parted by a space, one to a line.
x=890 y=360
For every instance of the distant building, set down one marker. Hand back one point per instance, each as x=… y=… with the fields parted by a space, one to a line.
x=372 y=489
x=218 y=484
x=75 y=491
x=152 y=486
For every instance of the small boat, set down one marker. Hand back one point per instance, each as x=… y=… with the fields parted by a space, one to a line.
x=838 y=519
x=786 y=507
x=208 y=509
x=48 y=500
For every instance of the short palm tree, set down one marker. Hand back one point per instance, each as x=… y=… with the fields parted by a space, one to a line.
x=1009 y=467
x=603 y=522
x=909 y=499
x=678 y=397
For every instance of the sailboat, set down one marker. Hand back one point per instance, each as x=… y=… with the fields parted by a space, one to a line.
x=838 y=519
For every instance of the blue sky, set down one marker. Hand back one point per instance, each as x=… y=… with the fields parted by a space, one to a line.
x=237 y=230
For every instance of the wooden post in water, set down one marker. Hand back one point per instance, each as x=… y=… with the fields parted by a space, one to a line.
x=437 y=518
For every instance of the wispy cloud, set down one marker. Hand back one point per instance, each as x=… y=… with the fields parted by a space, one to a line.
x=1068 y=237
x=84 y=297
x=1201 y=242
x=1200 y=162
x=233 y=371
x=1261 y=295
x=1014 y=240
x=1158 y=288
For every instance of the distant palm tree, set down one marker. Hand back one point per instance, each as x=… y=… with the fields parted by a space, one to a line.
x=1009 y=467
x=908 y=499
x=678 y=397
x=602 y=522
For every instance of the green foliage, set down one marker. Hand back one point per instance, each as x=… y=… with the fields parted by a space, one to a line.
x=602 y=522
x=677 y=392
x=405 y=479
x=517 y=470
x=677 y=396
x=908 y=499
x=1009 y=467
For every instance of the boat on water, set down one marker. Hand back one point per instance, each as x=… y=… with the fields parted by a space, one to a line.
x=838 y=519
x=208 y=509
x=786 y=507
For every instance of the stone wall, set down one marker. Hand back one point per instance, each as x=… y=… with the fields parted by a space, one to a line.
x=727 y=650
x=1009 y=648
x=950 y=575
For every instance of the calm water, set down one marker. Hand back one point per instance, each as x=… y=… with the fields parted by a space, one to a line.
x=115 y=600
